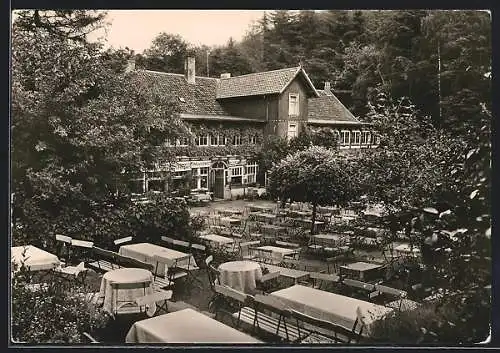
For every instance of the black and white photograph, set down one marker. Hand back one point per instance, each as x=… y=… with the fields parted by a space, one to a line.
x=250 y=177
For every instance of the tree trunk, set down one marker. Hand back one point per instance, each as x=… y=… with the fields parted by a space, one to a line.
x=313 y=228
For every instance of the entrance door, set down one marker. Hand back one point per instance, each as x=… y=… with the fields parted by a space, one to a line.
x=219 y=184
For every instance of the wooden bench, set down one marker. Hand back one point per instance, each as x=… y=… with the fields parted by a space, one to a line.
x=274 y=321
x=104 y=260
x=322 y=331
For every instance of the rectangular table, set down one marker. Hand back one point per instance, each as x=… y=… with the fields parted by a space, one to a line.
x=229 y=221
x=360 y=270
x=146 y=252
x=294 y=274
x=185 y=326
x=34 y=258
x=332 y=307
x=216 y=239
x=277 y=252
x=272 y=229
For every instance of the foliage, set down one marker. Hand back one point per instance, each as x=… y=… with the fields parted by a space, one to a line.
x=78 y=127
x=68 y=24
x=460 y=319
x=166 y=53
x=316 y=175
x=51 y=313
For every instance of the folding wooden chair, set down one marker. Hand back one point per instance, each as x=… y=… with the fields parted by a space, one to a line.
x=228 y=300
x=155 y=302
x=83 y=247
x=323 y=279
x=268 y=282
x=64 y=246
x=127 y=306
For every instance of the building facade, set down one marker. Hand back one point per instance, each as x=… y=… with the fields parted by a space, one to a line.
x=229 y=117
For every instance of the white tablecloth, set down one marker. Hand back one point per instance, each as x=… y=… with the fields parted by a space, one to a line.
x=240 y=275
x=124 y=276
x=217 y=239
x=185 y=326
x=329 y=306
x=277 y=252
x=146 y=252
x=360 y=268
x=34 y=258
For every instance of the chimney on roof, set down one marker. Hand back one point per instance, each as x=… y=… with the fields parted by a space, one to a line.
x=130 y=64
x=327 y=86
x=189 y=69
x=225 y=75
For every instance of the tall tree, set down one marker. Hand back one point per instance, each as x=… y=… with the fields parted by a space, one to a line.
x=78 y=127
x=166 y=53
x=317 y=175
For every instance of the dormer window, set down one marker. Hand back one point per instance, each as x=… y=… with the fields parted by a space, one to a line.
x=293 y=104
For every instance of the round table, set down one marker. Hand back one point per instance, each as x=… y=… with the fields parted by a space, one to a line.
x=143 y=279
x=240 y=275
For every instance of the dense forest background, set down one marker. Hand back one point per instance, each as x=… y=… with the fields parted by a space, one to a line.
x=441 y=60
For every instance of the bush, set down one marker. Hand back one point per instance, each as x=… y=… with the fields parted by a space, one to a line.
x=462 y=318
x=51 y=313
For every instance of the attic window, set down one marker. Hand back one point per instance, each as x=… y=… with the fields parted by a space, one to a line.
x=182 y=99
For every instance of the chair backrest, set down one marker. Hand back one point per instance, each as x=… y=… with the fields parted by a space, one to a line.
x=198 y=247
x=182 y=243
x=358 y=284
x=82 y=243
x=230 y=292
x=247 y=244
x=389 y=290
x=324 y=277
x=269 y=276
x=126 y=261
x=123 y=240
x=209 y=259
x=63 y=238
x=293 y=262
x=104 y=254
x=167 y=239
x=287 y=244
x=272 y=304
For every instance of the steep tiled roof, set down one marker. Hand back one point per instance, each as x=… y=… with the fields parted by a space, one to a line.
x=328 y=109
x=198 y=98
x=268 y=82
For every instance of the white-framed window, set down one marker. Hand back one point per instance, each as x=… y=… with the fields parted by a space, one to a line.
x=365 y=137
x=251 y=170
x=293 y=104
x=202 y=140
x=182 y=141
x=214 y=140
x=199 y=178
x=236 y=140
x=252 y=140
x=356 y=137
x=292 y=130
x=155 y=181
x=344 y=137
x=236 y=176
